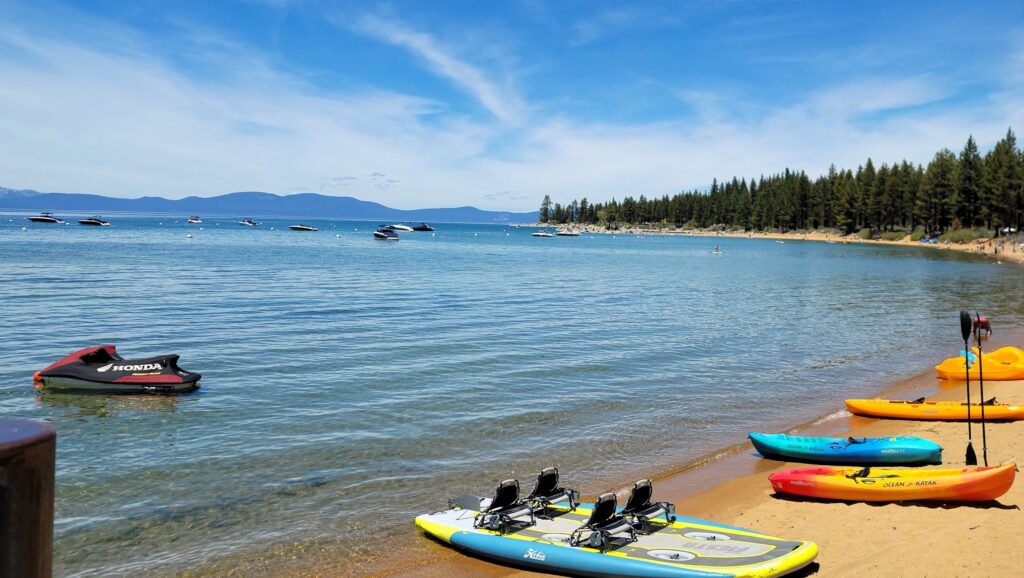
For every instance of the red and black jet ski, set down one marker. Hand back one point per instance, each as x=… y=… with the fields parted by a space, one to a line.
x=102 y=369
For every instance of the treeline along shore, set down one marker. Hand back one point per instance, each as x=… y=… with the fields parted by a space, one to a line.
x=981 y=195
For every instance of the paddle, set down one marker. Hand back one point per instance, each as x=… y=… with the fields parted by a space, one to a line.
x=980 y=324
x=966 y=324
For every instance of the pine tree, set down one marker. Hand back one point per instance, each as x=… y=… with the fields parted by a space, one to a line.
x=968 y=190
x=545 y=209
x=935 y=201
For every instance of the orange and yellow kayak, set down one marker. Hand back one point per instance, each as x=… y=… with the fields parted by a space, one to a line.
x=933 y=410
x=1003 y=364
x=893 y=484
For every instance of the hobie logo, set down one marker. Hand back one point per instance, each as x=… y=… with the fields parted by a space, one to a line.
x=535 y=555
x=139 y=367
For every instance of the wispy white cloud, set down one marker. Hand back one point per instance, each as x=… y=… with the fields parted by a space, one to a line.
x=620 y=19
x=105 y=114
x=500 y=100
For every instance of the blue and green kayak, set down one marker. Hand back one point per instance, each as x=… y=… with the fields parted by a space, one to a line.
x=904 y=450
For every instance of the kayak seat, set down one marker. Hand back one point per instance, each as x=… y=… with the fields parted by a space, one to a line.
x=603 y=525
x=547 y=492
x=505 y=510
x=640 y=511
x=861 y=473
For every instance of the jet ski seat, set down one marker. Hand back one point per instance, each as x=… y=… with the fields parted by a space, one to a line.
x=603 y=525
x=547 y=492
x=505 y=510
x=639 y=509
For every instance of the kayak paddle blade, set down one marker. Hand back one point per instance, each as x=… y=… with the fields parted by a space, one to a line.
x=972 y=458
x=966 y=324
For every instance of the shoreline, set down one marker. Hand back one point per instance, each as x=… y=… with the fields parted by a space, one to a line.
x=1010 y=251
x=731 y=486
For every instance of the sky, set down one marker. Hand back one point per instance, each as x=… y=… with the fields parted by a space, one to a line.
x=493 y=104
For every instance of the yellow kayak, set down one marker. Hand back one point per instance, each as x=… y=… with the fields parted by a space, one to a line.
x=1003 y=364
x=893 y=485
x=933 y=410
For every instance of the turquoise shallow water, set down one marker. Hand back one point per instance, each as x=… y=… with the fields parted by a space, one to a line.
x=350 y=384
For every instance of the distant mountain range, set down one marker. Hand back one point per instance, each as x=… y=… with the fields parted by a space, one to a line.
x=251 y=204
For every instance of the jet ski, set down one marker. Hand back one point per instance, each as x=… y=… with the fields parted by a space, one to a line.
x=102 y=369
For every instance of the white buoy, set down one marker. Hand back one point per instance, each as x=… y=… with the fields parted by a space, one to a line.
x=190 y=235
x=24 y=228
x=337 y=236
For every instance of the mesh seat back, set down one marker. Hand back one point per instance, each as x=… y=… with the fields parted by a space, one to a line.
x=547 y=483
x=640 y=497
x=506 y=495
x=604 y=510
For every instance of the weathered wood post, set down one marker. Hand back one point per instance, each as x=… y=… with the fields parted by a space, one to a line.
x=28 y=452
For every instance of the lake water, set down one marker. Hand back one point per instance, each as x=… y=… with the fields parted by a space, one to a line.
x=350 y=384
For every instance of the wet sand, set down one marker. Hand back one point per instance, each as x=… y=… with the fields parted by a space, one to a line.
x=856 y=539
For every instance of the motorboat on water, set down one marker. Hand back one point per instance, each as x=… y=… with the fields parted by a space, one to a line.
x=248 y=223
x=303 y=228
x=541 y=234
x=398 y=227
x=423 y=227
x=195 y=220
x=567 y=233
x=94 y=221
x=100 y=368
x=45 y=217
x=385 y=234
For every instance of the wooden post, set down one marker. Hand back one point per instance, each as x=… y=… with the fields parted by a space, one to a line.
x=28 y=452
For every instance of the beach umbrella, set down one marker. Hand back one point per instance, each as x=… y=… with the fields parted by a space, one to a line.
x=981 y=323
x=966 y=324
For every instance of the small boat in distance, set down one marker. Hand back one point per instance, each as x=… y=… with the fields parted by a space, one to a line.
x=541 y=234
x=46 y=217
x=423 y=227
x=567 y=233
x=248 y=223
x=397 y=227
x=94 y=221
x=303 y=228
x=385 y=235
x=718 y=250
x=195 y=220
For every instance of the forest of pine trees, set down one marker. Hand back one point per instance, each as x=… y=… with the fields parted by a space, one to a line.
x=954 y=191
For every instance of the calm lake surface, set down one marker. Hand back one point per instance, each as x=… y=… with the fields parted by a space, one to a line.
x=350 y=384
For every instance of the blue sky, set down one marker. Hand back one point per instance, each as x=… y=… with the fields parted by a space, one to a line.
x=493 y=104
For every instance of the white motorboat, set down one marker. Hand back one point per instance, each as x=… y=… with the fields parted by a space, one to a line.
x=46 y=218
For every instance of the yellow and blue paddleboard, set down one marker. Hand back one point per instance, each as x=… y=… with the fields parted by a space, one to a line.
x=686 y=548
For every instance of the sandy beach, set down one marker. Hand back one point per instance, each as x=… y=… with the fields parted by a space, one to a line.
x=1000 y=250
x=856 y=539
